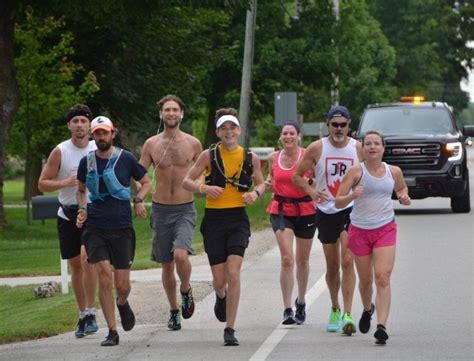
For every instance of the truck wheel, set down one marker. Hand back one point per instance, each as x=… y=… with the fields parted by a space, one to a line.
x=462 y=204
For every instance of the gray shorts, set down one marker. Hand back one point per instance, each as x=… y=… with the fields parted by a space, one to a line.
x=173 y=228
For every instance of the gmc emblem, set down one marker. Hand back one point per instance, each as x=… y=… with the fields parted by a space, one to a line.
x=402 y=151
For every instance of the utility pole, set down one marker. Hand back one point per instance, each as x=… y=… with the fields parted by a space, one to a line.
x=246 y=87
x=335 y=76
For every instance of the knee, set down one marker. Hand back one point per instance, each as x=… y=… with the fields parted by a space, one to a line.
x=122 y=287
x=180 y=257
x=382 y=279
x=287 y=263
x=105 y=278
x=347 y=263
x=332 y=269
x=365 y=284
x=233 y=276
x=302 y=263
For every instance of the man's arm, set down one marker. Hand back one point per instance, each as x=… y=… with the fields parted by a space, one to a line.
x=145 y=157
x=81 y=197
x=145 y=188
x=360 y=152
x=310 y=159
x=47 y=181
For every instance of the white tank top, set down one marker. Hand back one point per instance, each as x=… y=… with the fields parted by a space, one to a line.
x=331 y=168
x=70 y=158
x=374 y=208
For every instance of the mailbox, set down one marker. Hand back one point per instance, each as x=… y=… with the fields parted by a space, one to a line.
x=45 y=207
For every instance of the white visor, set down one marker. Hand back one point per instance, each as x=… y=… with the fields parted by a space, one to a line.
x=227 y=118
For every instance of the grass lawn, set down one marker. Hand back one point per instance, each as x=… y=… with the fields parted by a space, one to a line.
x=34 y=250
x=25 y=317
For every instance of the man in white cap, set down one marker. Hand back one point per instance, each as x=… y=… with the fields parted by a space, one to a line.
x=330 y=158
x=225 y=226
x=173 y=215
x=59 y=173
x=109 y=236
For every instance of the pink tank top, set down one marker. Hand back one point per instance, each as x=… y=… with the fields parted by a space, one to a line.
x=283 y=186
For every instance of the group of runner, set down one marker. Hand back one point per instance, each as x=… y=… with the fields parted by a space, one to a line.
x=324 y=187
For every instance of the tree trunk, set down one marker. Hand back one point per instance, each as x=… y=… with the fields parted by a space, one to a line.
x=31 y=180
x=8 y=84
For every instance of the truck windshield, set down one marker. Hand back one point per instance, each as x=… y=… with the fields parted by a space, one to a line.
x=407 y=121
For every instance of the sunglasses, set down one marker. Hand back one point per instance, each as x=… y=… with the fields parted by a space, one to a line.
x=339 y=125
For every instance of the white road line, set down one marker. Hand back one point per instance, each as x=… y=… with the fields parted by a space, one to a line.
x=277 y=335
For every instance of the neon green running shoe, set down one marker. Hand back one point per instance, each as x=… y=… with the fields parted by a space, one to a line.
x=348 y=326
x=334 y=324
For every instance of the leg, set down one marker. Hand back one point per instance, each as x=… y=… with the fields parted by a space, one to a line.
x=183 y=268
x=303 y=250
x=365 y=272
x=76 y=280
x=348 y=274
x=232 y=270
x=333 y=278
x=169 y=283
x=89 y=279
x=219 y=279
x=104 y=273
x=384 y=260
x=285 y=243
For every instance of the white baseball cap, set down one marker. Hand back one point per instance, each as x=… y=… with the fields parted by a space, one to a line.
x=102 y=122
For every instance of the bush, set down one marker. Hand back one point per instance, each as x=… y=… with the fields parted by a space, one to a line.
x=14 y=168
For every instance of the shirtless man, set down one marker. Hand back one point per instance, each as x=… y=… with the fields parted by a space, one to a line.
x=173 y=215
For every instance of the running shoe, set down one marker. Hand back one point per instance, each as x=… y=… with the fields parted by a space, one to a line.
x=300 y=313
x=348 y=326
x=187 y=303
x=112 y=339
x=174 y=322
x=288 y=317
x=91 y=324
x=364 y=322
x=229 y=337
x=80 y=328
x=220 y=308
x=127 y=317
x=381 y=335
x=334 y=324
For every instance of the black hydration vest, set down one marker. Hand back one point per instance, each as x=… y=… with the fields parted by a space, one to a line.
x=217 y=175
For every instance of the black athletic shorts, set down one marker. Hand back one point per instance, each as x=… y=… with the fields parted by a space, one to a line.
x=302 y=226
x=330 y=226
x=225 y=232
x=115 y=245
x=70 y=237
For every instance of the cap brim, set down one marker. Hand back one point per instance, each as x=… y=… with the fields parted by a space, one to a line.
x=103 y=127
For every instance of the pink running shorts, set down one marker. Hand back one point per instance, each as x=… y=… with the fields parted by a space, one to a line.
x=362 y=241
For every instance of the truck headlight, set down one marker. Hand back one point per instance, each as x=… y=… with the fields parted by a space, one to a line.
x=454 y=151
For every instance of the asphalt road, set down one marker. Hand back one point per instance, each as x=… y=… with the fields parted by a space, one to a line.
x=431 y=316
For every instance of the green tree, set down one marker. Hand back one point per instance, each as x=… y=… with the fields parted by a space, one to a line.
x=45 y=76
x=430 y=38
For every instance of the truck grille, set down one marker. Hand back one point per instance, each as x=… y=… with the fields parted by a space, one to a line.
x=413 y=156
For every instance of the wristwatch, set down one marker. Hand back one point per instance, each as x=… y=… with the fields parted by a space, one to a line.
x=137 y=200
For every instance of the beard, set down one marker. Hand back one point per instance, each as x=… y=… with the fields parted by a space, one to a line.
x=103 y=145
x=338 y=138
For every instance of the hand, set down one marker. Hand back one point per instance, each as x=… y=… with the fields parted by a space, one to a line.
x=250 y=197
x=268 y=185
x=70 y=181
x=140 y=210
x=405 y=200
x=81 y=218
x=318 y=195
x=357 y=191
x=213 y=192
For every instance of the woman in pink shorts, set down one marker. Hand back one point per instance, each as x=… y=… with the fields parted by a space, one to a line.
x=373 y=231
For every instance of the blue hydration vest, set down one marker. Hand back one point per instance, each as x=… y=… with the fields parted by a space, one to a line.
x=114 y=187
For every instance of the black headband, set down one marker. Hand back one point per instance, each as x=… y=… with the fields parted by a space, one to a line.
x=78 y=112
